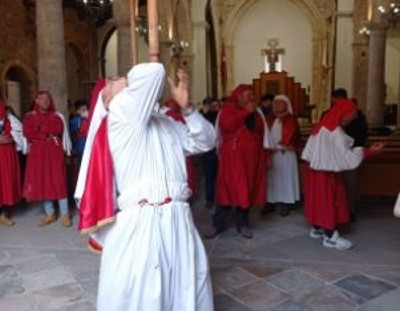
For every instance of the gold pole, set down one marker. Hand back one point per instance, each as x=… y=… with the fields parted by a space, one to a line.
x=152 y=16
x=134 y=35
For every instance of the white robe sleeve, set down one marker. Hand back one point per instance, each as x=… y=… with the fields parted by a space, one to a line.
x=17 y=134
x=99 y=113
x=267 y=141
x=66 y=141
x=198 y=135
x=136 y=102
x=331 y=151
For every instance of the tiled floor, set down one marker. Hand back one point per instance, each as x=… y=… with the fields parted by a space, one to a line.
x=280 y=269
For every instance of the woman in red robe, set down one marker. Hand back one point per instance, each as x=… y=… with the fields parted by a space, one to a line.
x=10 y=179
x=45 y=176
x=328 y=153
x=241 y=179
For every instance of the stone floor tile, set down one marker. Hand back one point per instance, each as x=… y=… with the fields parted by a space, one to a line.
x=387 y=302
x=294 y=282
x=54 y=298
x=327 y=298
x=227 y=277
x=11 y=282
x=80 y=306
x=363 y=286
x=264 y=271
x=258 y=295
x=290 y=305
x=47 y=278
x=327 y=272
x=224 y=303
x=18 y=303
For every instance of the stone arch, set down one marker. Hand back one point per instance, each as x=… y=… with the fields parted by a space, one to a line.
x=103 y=47
x=25 y=76
x=322 y=21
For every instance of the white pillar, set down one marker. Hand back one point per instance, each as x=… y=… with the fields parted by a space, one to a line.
x=199 y=72
x=51 y=51
x=376 y=75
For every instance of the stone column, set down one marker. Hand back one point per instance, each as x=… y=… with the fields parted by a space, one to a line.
x=199 y=72
x=51 y=51
x=376 y=75
x=121 y=11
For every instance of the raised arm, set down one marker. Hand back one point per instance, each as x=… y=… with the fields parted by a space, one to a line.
x=144 y=88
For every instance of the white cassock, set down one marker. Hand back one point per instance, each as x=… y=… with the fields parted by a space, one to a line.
x=283 y=175
x=153 y=258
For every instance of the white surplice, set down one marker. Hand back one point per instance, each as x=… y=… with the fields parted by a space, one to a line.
x=332 y=151
x=283 y=175
x=153 y=258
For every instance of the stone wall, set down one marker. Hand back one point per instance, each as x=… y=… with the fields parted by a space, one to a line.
x=18 y=53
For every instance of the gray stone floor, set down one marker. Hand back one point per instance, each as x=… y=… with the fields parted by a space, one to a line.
x=280 y=269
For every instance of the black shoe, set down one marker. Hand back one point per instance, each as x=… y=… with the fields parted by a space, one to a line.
x=213 y=233
x=245 y=232
x=284 y=210
x=267 y=208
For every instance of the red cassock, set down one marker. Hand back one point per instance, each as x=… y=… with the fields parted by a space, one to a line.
x=10 y=178
x=241 y=179
x=325 y=198
x=45 y=176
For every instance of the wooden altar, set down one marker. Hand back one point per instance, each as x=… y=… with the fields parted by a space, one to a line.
x=280 y=83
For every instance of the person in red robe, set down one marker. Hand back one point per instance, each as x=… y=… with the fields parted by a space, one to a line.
x=241 y=178
x=10 y=179
x=329 y=152
x=45 y=175
x=174 y=111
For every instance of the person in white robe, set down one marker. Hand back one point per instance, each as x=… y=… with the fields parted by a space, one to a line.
x=152 y=255
x=283 y=174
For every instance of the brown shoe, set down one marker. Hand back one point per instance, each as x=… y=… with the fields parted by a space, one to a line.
x=66 y=221
x=46 y=220
x=7 y=221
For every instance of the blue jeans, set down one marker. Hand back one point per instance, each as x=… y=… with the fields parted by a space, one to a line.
x=62 y=203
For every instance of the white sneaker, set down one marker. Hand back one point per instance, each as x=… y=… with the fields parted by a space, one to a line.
x=316 y=233
x=337 y=242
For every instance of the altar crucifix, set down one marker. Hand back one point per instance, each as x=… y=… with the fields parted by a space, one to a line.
x=273 y=56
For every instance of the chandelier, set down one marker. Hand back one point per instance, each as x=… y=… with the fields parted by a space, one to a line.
x=390 y=13
x=96 y=10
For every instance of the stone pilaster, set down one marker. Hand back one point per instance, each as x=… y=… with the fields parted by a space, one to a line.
x=199 y=72
x=121 y=11
x=376 y=75
x=51 y=51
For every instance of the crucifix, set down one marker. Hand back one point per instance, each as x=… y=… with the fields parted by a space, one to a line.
x=273 y=56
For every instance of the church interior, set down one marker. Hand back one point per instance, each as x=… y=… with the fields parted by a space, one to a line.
x=304 y=49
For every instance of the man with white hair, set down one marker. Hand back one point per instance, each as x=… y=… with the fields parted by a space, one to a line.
x=133 y=178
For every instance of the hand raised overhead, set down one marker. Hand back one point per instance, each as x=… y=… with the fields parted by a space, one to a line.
x=180 y=89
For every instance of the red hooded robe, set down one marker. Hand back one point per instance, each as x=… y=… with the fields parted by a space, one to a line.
x=241 y=179
x=325 y=195
x=10 y=174
x=45 y=176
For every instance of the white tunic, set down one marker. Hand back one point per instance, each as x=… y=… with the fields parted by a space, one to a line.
x=283 y=175
x=332 y=151
x=153 y=258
